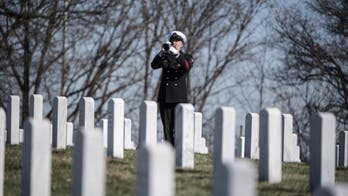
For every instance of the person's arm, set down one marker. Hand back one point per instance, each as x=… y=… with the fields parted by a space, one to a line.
x=157 y=61
x=185 y=60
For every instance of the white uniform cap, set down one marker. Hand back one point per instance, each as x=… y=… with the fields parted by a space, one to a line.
x=178 y=34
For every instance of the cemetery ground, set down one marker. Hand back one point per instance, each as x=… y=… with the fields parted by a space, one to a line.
x=120 y=179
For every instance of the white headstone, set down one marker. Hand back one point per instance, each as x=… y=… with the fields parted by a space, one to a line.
x=116 y=128
x=224 y=137
x=286 y=140
x=337 y=155
x=12 y=120
x=289 y=140
x=2 y=149
x=297 y=154
x=51 y=133
x=270 y=163
x=88 y=168
x=203 y=148
x=252 y=136
x=339 y=189
x=199 y=143
x=105 y=132
x=148 y=123
x=69 y=134
x=59 y=136
x=155 y=174
x=235 y=179
x=86 y=113
x=184 y=135
x=240 y=147
x=36 y=162
x=198 y=130
x=36 y=106
x=295 y=149
x=21 y=135
x=322 y=150
x=343 y=142
x=128 y=143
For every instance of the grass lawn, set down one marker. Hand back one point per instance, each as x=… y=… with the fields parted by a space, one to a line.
x=121 y=176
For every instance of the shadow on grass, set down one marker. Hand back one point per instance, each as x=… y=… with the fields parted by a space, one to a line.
x=117 y=161
x=191 y=171
x=282 y=188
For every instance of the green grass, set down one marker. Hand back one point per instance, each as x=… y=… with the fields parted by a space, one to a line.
x=121 y=176
x=295 y=181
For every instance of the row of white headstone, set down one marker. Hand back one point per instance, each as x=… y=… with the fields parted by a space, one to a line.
x=119 y=136
x=34 y=141
x=61 y=131
x=271 y=147
x=231 y=177
x=155 y=168
x=248 y=144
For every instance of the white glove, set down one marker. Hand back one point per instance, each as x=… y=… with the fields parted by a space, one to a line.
x=174 y=51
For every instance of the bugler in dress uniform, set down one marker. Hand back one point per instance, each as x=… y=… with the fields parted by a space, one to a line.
x=175 y=66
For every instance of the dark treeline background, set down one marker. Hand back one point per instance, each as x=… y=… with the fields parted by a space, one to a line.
x=249 y=54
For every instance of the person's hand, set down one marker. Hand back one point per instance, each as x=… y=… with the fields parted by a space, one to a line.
x=174 y=51
x=166 y=46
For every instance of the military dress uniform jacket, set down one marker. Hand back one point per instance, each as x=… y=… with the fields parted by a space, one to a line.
x=174 y=78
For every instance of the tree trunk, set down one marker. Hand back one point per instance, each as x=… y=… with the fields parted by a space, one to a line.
x=27 y=61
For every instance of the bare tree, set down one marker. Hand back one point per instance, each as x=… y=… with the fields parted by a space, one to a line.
x=218 y=35
x=152 y=34
x=108 y=69
x=94 y=60
x=316 y=49
x=314 y=75
x=25 y=46
x=104 y=49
